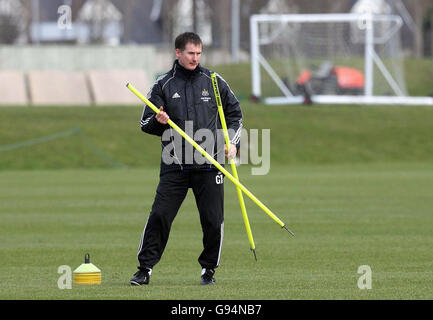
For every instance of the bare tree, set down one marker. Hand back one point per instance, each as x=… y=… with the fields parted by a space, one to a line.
x=194 y=16
x=419 y=10
x=9 y=31
x=75 y=7
x=431 y=32
x=418 y=17
x=248 y=7
x=168 y=19
x=129 y=6
x=216 y=26
x=28 y=20
x=321 y=6
x=224 y=15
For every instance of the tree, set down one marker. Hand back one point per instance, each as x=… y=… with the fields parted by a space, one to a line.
x=419 y=10
x=9 y=30
x=129 y=6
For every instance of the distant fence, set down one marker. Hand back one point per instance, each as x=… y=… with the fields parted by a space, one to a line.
x=77 y=75
x=85 y=75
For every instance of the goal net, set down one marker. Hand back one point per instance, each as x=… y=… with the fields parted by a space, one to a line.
x=328 y=58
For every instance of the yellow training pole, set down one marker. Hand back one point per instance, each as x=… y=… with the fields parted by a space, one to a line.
x=212 y=160
x=232 y=163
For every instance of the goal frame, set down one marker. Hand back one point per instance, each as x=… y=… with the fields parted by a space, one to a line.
x=371 y=59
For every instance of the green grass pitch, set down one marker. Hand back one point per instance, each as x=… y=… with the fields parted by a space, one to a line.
x=344 y=216
x=354 y=184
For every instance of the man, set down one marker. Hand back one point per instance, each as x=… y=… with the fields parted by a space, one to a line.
x=185 y=95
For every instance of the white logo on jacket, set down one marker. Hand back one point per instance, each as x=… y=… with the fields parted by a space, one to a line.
x=205 y=96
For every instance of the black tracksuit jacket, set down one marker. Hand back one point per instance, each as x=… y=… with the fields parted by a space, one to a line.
x=188 y=96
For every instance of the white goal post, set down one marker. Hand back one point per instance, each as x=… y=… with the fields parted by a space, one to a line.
x=329 y=58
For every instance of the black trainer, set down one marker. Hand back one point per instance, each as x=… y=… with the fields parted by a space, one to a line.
x=207 y=277
x=142 y=276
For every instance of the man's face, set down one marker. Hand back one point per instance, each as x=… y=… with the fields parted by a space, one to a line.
x=189 y=58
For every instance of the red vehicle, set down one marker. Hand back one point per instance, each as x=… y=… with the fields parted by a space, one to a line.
x=331 y=80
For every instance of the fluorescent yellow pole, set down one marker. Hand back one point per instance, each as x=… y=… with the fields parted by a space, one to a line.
x=211 y=159
x=232 y=163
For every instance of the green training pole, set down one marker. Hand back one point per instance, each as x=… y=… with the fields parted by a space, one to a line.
x=211 y=159
x=232 y=164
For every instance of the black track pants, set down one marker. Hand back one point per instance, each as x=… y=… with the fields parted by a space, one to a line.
x=173 y=187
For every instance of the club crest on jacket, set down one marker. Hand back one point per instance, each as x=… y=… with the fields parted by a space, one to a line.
x=205 y=95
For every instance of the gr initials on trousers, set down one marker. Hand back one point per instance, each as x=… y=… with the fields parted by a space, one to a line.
x=208 y=188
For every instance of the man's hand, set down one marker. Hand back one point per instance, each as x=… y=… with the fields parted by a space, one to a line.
x=232 y=153
x=162 y=117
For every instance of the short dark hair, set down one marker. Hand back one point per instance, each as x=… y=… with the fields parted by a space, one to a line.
x=184 y=38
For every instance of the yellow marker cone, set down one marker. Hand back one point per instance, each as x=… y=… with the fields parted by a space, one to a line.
x=87 y=273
